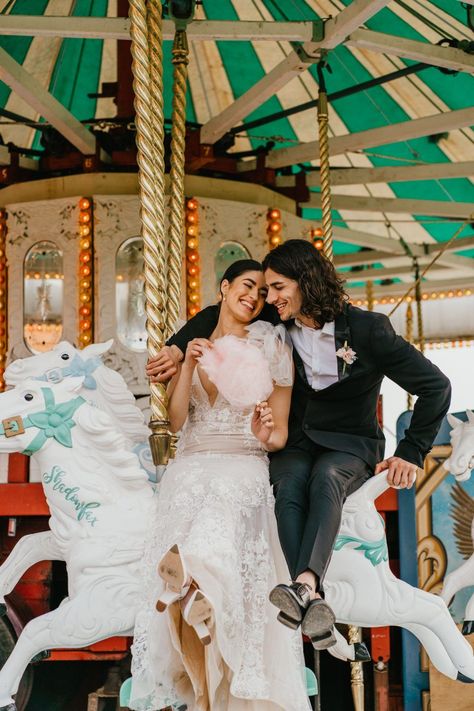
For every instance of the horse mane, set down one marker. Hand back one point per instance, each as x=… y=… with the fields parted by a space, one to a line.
x=98 y=436
x=120 y=401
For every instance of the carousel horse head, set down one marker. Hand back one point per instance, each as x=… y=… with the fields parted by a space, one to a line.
x=461 y=461
x=101 y=385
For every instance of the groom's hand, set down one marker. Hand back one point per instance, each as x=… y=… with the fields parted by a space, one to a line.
x=164 y=365
x=400 y=472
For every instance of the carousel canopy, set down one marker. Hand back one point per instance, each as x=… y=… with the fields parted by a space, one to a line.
x=399 y=84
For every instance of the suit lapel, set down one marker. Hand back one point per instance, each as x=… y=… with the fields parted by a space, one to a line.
x=342 y=339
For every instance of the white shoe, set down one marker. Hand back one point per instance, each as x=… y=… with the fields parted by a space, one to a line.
x=172 y=570
x=197 y=612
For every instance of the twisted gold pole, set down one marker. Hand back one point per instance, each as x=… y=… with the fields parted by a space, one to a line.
x=409 y=338
x=369 y=290
x=357 y=671
x=180 y=61
x=145 y=30
x=323 y=122
x=419 y=316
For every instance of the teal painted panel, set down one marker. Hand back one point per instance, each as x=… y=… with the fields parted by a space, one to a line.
x=17 y=47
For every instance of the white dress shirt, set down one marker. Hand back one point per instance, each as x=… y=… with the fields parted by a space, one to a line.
x=317 y=349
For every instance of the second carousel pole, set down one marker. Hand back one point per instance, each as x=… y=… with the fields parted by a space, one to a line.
x=145 y=30
x=355 y=633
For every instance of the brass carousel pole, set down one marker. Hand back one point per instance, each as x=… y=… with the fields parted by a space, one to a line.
x=409 y=338
x=146 y=35
x=180 y=61
x=324 y=166
x=355 y=633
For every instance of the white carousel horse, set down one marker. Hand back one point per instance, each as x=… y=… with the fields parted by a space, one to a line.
x=101 y=509
x=108 y=390
x=101 y=505
x=460 y=464
x=102 y=386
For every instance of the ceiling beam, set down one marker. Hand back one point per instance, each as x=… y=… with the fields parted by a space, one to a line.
x=428 y=286
x=384 y=174
x=119 y=28
x=296 y=62
x=23 y=84
x=436 y=55
x=371 y=256
x=373 y=137
x=362 y=203
x=395 y=248
x=393 y=272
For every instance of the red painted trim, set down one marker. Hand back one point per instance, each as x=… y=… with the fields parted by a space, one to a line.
x=380 y=643
x=18 y=468
x=23 y=500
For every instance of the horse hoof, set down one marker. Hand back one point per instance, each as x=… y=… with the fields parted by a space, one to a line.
x=361 y=653
x=465 y=679
x=468 y=627
x=3 y=611
x=40 y=656
x=10 y=707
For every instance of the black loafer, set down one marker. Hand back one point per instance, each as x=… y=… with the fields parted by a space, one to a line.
x=318 y=624
x=292 y=601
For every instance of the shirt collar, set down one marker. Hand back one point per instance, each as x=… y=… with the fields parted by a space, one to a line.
x=329 y=327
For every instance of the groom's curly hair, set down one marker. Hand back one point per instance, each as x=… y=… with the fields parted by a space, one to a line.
x=321 y=288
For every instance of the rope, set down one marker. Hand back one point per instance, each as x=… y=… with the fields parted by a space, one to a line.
x=145 y=30
x=180 y=61
x=433 y=261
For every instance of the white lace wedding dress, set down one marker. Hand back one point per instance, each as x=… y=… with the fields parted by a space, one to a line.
x=216 y=503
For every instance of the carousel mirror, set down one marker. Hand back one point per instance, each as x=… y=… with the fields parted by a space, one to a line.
x=228 y=253
x=43 y=286
x=130 y=295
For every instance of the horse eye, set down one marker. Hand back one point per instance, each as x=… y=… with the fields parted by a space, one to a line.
x=65 y=356
x=29 y=397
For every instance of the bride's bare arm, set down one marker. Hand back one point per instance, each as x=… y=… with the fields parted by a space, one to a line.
x=179 y=389
x=270 y=420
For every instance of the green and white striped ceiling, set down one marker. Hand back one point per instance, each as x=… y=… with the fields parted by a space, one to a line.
x=221 y=71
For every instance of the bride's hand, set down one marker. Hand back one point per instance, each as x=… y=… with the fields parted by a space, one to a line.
x=194 y=351
x=262 y=422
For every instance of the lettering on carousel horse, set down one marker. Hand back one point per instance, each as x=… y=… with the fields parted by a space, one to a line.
x=70 y=493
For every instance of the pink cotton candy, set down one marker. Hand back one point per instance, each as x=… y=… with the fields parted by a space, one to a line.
x=239 y=371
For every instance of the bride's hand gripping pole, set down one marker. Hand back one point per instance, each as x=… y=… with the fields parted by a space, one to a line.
x=147 y=66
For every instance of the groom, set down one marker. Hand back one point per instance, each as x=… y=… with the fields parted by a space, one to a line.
x=341 y=355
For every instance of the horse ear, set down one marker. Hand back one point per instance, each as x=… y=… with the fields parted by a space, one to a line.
x=470 y=416
x=97 y=349
x=73 y=385
x=453 y=421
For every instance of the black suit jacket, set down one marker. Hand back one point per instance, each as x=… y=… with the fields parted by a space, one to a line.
x=343 y=416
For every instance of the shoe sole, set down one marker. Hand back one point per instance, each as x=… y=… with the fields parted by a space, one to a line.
x=317 y=625
x=290 y=612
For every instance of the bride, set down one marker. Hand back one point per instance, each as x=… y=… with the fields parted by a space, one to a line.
x=207 y=635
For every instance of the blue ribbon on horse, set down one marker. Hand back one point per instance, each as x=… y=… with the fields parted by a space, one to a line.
x=77 y=368
x=55 y=422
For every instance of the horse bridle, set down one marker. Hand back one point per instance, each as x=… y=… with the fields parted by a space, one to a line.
x=55 y=421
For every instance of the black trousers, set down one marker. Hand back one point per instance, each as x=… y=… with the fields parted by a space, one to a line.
x=310 y=485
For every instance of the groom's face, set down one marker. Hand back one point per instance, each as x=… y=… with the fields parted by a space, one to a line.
x=284 y=294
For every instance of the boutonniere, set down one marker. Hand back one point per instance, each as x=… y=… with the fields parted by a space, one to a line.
x=347 y=355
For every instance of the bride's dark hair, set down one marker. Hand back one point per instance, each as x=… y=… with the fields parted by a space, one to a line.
x=238 y=268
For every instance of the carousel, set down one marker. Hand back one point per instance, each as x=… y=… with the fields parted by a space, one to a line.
x=144 y=147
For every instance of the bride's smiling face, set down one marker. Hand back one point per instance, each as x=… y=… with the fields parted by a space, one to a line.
x=245 y=295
